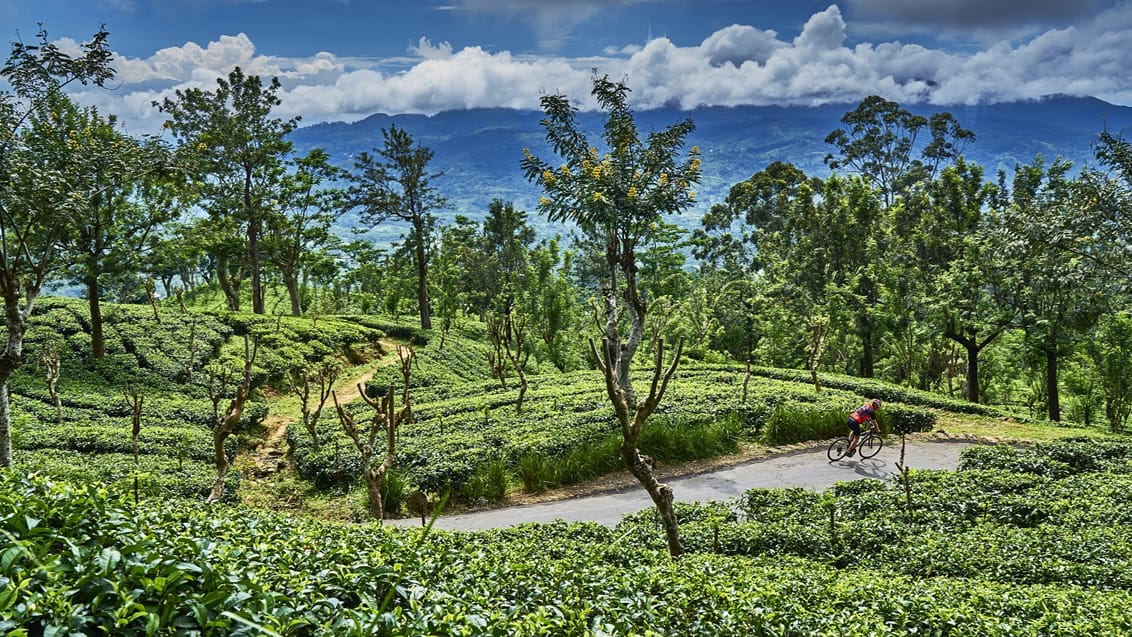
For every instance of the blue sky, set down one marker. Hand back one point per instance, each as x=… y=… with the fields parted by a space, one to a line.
x=346 y=59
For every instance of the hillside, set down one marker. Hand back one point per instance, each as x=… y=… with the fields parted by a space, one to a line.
x=466 y=438
x=478 y=150
x=1020 y=542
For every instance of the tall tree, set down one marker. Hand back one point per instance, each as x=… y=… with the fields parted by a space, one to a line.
x=299 y=229
x=394 y=183
x=947 y=264
x=551 y=301
x=121 y=183
x=35 y=193
x=879 y=143
x=239 y=149
x=756 y=217
x=1058 y=295
x=505 y=242
x=457 y=273
x=617 y=199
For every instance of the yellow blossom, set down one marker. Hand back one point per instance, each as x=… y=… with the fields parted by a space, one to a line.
x=548 y=177
x=543 y=201
x=565 y=170
x=691 y=194
x=596 y=172
x=663 y=179
x=696 y=150
x=632 y=192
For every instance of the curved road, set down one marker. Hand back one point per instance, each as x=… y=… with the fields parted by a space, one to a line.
x=808 y=468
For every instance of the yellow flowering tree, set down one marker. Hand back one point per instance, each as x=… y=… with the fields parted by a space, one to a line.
x=618 y=197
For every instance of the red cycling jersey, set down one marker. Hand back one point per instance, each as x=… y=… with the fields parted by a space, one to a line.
x=863 y=413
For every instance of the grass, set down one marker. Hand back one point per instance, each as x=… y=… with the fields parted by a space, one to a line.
x=1011 y=429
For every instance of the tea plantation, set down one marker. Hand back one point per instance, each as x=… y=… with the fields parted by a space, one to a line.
x=1014 y=545
x=1033 y=540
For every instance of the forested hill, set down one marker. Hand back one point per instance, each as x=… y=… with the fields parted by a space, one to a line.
x=478 y=150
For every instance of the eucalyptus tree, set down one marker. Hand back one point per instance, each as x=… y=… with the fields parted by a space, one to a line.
x=617 y=199
x=299 y=227
x=239 y=151
x=1110 y=348
x=176 y=253
x=505 y=240
x=504 y=243
x=879 y=142
x=35 y=197
x=1106 y=234
x=363 y=277
x=394 y=182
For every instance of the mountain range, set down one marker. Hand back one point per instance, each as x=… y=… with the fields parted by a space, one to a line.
x=477 y=151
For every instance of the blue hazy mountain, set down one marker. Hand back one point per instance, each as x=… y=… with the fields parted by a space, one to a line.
x=477 y=151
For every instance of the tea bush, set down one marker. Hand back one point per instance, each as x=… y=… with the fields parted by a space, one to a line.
x=766 y=565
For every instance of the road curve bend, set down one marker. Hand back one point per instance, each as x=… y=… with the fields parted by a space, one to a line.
x=808 y=468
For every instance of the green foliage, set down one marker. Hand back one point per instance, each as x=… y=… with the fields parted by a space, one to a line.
x=993 y=553
x=463 y=421
x=798 y=422
x=165 y=364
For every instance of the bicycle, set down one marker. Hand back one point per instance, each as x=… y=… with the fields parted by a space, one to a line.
x=868 y=446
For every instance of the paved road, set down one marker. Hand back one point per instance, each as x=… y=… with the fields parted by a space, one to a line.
x=809 y=468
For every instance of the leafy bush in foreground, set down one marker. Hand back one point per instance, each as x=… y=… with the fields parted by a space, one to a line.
x=192 y=569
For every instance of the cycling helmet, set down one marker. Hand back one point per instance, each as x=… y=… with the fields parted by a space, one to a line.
x=876 y=403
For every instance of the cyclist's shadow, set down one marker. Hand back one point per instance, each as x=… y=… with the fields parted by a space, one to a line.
x=868 y=468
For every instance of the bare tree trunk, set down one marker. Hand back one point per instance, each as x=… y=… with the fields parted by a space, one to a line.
x=15 y=320
x=5 y=427
x=292 y=283
x=230 y=287
x=253 y=244
x=226 y=424
x=515 y=342
x=97 y=340
x=385 y=419
x=53 y=364
x=632 y=421
x=151 y=294
x=819 y=330
x=422 y=280
x=1052 y=395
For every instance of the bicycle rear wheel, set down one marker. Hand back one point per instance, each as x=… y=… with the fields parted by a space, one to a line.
x=837 y=449
x=870 y=446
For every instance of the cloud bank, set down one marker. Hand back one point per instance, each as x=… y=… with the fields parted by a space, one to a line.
x=736 y=65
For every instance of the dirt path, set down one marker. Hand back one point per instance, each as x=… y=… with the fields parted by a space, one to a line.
x=269 y=458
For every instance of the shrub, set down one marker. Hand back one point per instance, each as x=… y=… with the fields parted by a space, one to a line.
x=797 y=423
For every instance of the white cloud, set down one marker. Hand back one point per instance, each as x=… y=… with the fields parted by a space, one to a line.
x=738 y=64
x=740 y=43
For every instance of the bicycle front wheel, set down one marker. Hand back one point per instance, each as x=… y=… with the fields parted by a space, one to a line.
x=837 y=449
x=870 y=446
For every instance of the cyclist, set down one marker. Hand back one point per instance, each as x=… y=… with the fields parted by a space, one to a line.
x=858 y=417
